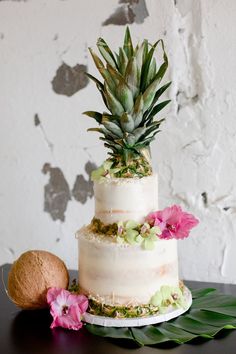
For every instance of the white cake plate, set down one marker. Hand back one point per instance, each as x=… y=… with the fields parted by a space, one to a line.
x=139 y=321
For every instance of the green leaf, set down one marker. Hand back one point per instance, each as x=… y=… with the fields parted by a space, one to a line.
x=149 y=94
x=138 y=132
x=113 y=128
x=132 y=76
x=96 y=115
x=148 y=335
x=161 y=91
x=176 y=334
x=128 y=46
x=113 y=332
x=125 y=96
x=97 y=82
x=212 y=318
x=194 y=326
x=141 y=54
x=127 y=123
x=158 y=108
x=100 y=87
x=146 y=66
x=123 y=61
x=200 y=321
x=106 y=52
x=114 y=105
x=196 y=293
x=224 y=304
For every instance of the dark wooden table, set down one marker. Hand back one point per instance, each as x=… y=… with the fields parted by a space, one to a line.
x=28 y=332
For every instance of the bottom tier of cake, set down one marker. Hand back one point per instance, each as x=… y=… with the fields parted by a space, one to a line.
x=123 y=280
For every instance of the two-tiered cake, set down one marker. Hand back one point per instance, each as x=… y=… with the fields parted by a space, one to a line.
x=128 y=264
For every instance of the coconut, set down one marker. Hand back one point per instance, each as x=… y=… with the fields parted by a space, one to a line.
x=32 y=274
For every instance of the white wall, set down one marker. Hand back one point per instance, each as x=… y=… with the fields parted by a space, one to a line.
x=195 y=154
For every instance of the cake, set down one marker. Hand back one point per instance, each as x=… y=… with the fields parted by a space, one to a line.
x=128 y=260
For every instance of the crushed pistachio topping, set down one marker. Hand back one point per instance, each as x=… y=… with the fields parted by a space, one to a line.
x=111 y=168
x=130 y=232
x=99 y=309
x=167 y=297
x=98 y=227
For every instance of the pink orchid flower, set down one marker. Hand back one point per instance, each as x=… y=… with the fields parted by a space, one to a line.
x=66 y=308
x=173 y=222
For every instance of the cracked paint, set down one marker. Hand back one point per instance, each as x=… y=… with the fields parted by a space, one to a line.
x=184 y=100
x=56 y=193
x=69 y=80
x=38 y=123
x=83 y=188
x=130 y=11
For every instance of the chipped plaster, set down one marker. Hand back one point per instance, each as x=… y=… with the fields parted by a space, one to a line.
x=69 y=80
x=128 y=12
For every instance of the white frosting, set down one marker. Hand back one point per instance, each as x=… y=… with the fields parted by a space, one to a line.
x=122 y=199
x=125 y=274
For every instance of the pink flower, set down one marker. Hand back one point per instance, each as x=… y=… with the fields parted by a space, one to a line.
x=173 y=222
x=66 y=308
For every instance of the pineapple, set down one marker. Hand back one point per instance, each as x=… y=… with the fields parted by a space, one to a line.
x=130 y=91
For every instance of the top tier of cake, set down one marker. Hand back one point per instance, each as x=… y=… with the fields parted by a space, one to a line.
x=122 y=199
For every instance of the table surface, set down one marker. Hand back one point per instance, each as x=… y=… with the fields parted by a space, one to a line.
x=28 y=332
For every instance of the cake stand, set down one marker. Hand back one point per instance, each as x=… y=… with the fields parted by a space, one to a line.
x=140 y=321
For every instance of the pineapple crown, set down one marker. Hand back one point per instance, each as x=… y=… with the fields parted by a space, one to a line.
x=131 y=91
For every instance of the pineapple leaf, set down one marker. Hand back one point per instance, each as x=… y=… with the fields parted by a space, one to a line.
x=103 y=71
x=114 y=105
x=151 y=72
x=100 y=87
x=146 y=65
x=113 y=128
x=106 y=52
x=99 y=130
x=141 y=54
x=117 y=77
x=125 y=96
x=138 y=132
x=149 y=94
x=127 y=122
x=161 y=72
x=96 y=115
x=160 y=92
x=97 y=82
x=123 y=61
x=132 y=76
x=156 y=109
x=128 y=46
x=130 y=140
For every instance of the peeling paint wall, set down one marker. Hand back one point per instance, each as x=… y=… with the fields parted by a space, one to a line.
x=46 y=155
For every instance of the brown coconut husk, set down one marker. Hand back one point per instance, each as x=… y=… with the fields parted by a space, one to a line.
x=32 y=274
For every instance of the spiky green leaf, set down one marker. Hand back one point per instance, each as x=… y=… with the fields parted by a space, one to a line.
x=125 y=96
x=106 y=52
x=127 y=122
x=114 y=105
x=132 y=76
x=123 y=61
x=128 y=46
x=96 y=115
